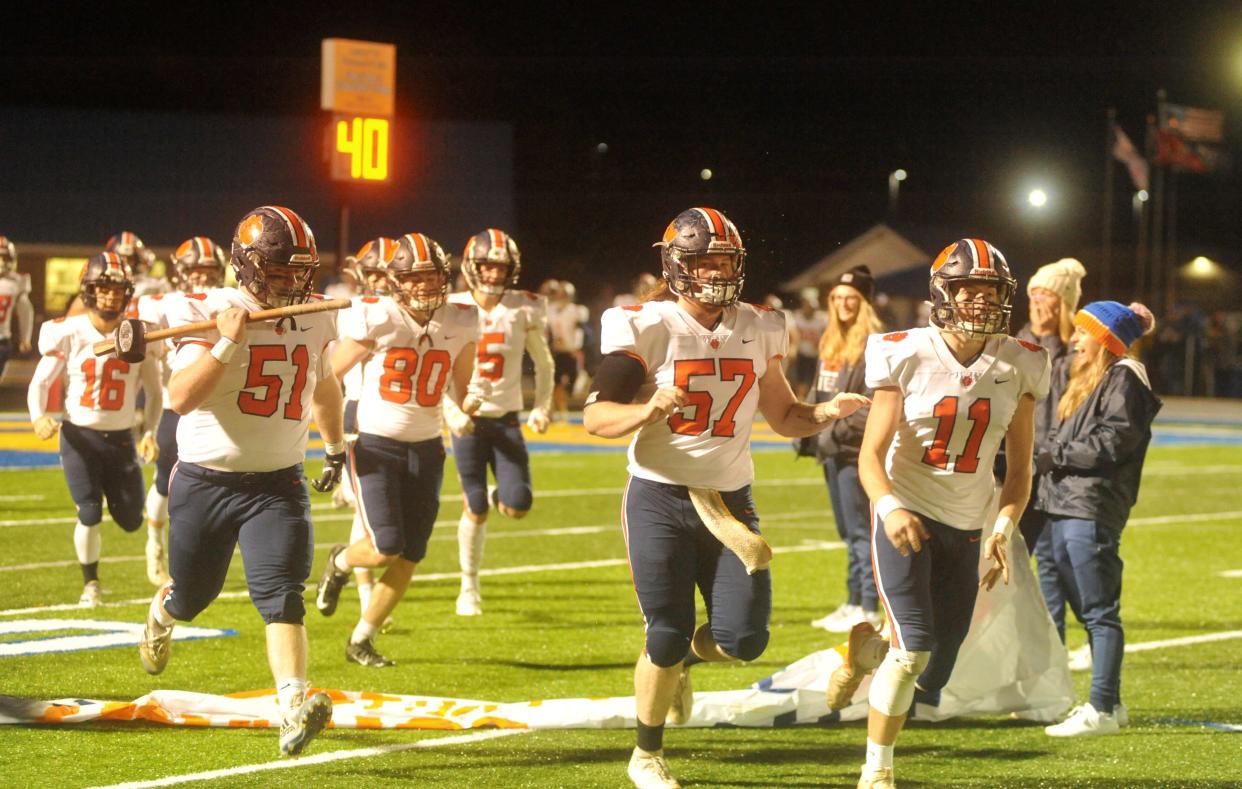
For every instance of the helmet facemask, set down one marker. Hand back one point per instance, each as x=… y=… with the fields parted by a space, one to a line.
x=416 y=298
x=495 y=247
x=975 y=319
x=255 y=279
x=681 y=270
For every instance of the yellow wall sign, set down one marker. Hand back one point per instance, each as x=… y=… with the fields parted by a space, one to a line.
x=359 y=148
x=358 y=76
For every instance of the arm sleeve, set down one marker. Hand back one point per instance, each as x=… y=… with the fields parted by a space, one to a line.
x=46 y=372
x=775 y=334
x=1110 y=435
x=153 y=406
x=541 y=355
x=352 y=323
x=25 y=317
x=1039 y=375
x=617 y=380
x=878 y=364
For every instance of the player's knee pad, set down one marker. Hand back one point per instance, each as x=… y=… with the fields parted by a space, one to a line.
x=746 y=647
x=517 y=498
x=666 y=647
x=90 y=514
x=286 y=608
x=157 y=505
x=892 y=688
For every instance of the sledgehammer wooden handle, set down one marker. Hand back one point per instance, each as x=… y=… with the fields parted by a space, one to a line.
x=108 y=346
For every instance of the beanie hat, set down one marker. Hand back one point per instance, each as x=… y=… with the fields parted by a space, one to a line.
x=1115 y=325
x=859 y=278
x=1063 y=278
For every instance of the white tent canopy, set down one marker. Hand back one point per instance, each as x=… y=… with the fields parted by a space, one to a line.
x=882 y=249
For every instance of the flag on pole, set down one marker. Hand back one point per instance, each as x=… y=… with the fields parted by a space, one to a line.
x=1125 y=152
x=1193 y=124
x=1191 y=157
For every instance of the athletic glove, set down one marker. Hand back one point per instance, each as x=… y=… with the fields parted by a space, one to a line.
x=333 y=468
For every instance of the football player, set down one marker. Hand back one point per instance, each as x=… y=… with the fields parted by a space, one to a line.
x=96 y=438
x=565 y=322
x=140 y=260
x=510 y=321
x=197 y=267
x=410 y=345
x=246 y=395
x=687 y=371
x=945 y=396
x=14 y=300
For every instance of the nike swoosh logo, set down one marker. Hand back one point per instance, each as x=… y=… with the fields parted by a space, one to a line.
x=1002 y=380
x=308 y=328
x=752 y=339
x=449 y=336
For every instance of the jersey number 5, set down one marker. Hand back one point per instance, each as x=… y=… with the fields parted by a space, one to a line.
x=937 y=455
x=730 y=370
x=266 y=404
x=397 y=383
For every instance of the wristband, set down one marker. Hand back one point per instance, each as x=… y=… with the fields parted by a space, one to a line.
x=334 y=447
x=1004 y=526
x=223 y=350
x=886 y=505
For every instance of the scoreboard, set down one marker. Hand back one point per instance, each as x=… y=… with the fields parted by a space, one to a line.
x=357 y=87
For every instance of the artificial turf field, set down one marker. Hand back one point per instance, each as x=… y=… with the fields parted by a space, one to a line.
x=572 y=632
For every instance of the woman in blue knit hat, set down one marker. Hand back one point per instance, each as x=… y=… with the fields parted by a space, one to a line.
x=1089 y=465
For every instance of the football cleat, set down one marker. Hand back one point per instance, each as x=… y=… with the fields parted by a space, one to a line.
x=469 y=602
x=156 y=645
x=650 y=771
x=328 y=591
x=363 y=653
x=1080 y=659
x=865 y=652
x=881 y=778
x=1085 y=721
x=300 y=726
x=683 y=700
x=157 y=570
x=92 y=595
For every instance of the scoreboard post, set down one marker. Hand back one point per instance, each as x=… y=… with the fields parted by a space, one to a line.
x=357 y=88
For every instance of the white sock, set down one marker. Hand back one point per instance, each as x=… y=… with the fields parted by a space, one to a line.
x=364 y=596
x=291 y=691
x=87 y=542
x=157 y=506
x=341 y=565
x=878 y=756
x=470 y=536
x=157 y=609
x=363 y=631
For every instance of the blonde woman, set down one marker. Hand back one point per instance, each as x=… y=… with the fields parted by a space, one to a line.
x=1091 y=463
x=851 y=320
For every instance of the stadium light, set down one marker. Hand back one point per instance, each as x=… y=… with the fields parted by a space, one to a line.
x=602 y=148
x=705 y=174
x=894 y=185
x=1037 y=198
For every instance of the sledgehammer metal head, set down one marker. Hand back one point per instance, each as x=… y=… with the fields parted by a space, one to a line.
x=131 y=341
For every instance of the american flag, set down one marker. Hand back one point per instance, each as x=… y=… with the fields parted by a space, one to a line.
x=1193 y=124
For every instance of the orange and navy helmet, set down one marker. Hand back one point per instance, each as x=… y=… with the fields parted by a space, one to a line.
x=199 y=254
x=8 y=256
x=417 y=253
x=964 y=261
x=128 y=245
x=274 y=236
x=491 y=246
x=105 y=269
x=371 y=265
x=692 y=234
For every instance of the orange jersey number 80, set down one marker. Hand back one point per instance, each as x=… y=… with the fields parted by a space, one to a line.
x=401 y=364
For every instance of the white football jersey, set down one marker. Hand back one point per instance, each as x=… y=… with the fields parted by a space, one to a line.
x=152 y=309
x=353 y=380
x=707 y=443
x=954 y=417
x=102 y=390
x=411 y=366
x=12 y=288
x=258 y=416
x=146 y=285
x=502 y=341
x=565 y=321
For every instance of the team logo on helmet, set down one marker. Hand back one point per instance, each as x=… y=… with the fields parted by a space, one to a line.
x=491 y=246
x=274 y=256
x=417 y=254
x=197 y=265
x=971 y=260
x=107 y=269
x=690 y=236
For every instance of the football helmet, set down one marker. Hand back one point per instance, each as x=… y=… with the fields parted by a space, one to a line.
x=417 y=253
x=106 y=269
x=129 y=246
x=692 y=234
x=371 y=265
x=197 y=254
x=491 y=246
x=8 y=256
x=269 y=238
x=971 y=260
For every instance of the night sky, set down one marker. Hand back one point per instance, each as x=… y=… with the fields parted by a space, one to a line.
x=800 y=112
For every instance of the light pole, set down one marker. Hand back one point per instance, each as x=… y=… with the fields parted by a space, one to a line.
x=894 y=185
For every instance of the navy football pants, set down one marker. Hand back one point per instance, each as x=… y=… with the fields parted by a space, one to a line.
x=497 y=443
x=101 y=464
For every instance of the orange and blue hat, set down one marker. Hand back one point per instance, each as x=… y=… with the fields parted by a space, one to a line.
x=1115 y=325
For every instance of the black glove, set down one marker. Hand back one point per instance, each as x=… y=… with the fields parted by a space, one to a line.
x=1043 y=463
x=333 y=469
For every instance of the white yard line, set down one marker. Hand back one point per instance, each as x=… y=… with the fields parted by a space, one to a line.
x=1199 y=517
x=23 y=497
x=1147 y=646
x=320 y=758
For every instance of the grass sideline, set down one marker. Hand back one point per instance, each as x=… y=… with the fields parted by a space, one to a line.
x=577 y=632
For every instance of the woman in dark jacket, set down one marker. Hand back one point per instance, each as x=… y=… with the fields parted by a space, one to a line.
x=851 y=319
x=1091 y=461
